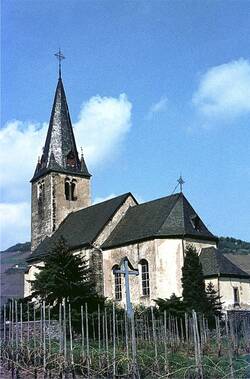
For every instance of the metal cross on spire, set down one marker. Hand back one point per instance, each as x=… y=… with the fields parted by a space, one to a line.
x=180 y=182
x=60 y=57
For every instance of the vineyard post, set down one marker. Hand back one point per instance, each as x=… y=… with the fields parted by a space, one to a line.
x=103 y=332
x=44 y=338
x=197 y=346
x=49 y=331
x=16 y=318
x=99 y=336
x=82 y=329
x=87 y=338
x=182 y=332
x=41 y=326
x=165 y=342
x=28 y=324
x=218 y=335
x=60 y=329
x=154 y=333
x=9 y=331
x=114 y=352
x=186 y=328
x=230 y=354
x=12 y=321
x=126 y=335
x=93 y=326
x=64 y=334
x=106 y=335
x=21 y=324
x=4 y=322
x=34 y=335
x=71 y=344
x=16 y=324
x=134 y=365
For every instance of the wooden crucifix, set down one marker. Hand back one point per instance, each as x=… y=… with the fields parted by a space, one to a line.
x=127 y=269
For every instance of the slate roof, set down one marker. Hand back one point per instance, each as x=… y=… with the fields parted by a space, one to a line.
x=240 y=260
x=81 y=228
x=214 y=263
x=170 y=216
x=60 y=152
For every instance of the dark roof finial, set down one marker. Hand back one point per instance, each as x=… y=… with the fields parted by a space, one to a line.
x=180 y=182
x=60 y=57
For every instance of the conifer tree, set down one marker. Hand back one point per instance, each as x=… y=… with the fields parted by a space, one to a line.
x=194 y=293
x=64 y=275
x=214 y=300
x=174 y=305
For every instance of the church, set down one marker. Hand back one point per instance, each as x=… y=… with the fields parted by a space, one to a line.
x=153 y=235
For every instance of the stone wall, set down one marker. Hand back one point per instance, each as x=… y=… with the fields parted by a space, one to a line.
x=94 y=255
x=225 y=287
x=165 y=259
x=48 y=213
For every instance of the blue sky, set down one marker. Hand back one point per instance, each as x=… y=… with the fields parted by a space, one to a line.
x=155 y=89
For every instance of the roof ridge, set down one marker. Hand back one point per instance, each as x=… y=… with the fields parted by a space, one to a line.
x=160 y=198
x=94 y=205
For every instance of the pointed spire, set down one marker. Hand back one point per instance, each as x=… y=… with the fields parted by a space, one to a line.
x=60 y=152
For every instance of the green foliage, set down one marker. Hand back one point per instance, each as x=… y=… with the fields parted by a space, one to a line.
x=214 y=301
x=65 y=275
x=174 y=305
x=194 y=293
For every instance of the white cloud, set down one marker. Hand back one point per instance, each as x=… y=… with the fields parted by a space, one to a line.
x=20 y=145
x=158 y=107
x=15 y=223
x=102 y=124
x=224 y=90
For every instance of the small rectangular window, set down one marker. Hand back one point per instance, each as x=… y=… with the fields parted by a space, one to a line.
x=236 y=296
x=145 y=277
x=118 y=286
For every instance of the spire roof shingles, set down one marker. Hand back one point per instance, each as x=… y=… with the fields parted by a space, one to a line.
x=60 y=152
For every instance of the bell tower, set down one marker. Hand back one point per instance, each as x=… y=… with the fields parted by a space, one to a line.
x=61 y=182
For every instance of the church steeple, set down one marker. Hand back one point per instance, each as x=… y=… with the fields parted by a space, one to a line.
x=61 y=182
x=60 y=152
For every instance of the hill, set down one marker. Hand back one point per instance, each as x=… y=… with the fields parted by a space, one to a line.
x=233 y=245
x=21 y=247
x=226 y=244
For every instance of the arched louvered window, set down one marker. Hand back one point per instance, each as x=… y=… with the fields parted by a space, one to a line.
x=145 y=277
x=117 y=283
x=41 y=197
x=67 y=189
x=73 y=190
x=70 y=189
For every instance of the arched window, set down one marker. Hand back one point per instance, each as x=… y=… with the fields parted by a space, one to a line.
x=196 y=222
x=71 y=159
x=41 y=191
x=73 y=190
x=67 y=189
x=41 y=197
x=145 y=277
x=70 y=189
x=118 y=283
